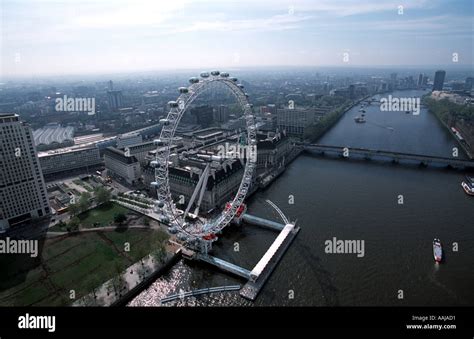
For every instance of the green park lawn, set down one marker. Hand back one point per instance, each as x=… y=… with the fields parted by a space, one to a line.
x=103 y=215
x=79 y=262
x=100 y=216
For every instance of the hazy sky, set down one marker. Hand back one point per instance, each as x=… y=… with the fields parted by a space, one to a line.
x=73 y=36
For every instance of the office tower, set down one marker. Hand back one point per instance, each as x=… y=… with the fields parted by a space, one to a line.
x=439 y=80
x=22 y=189
x=393 y=80
x=110 y=85
x=222 y=114
x=351 y=91
x=420 y=80
x=114 y=99
x=425 y=80
x=468 y=84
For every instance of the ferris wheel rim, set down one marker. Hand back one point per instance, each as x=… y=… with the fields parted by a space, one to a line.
x=177 y=110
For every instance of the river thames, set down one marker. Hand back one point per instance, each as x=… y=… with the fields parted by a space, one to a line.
x=353 y=200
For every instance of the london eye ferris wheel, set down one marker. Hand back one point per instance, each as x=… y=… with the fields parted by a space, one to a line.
x=200 y=232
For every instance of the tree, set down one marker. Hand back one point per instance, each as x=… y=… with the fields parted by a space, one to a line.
x=119 y=218
x=73 y=209
x=102 y=195
x=73 y=225
x=61 y=224
x=84 y=201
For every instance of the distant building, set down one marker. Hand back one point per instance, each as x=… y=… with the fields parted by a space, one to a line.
x=53 y=136
x=115 y=100
x=468 y=84
x=393 y=80
x=420 y=80
x=296 y=121
x=69 y=159
x=439 y=80
x=23 y=194
x=458 y=86
x=340 y=92
x=425 y=80
x=270 y=122
x=270 y=108
x=352 y=91
x=122 y=166
x=140 y=151
x=221 y=114
x=128 y=139
x=204 y=115
x=234 y=124
x=203 y=136
x=272 y=149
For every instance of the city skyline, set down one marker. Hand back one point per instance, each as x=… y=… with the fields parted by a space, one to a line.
x=84 y=37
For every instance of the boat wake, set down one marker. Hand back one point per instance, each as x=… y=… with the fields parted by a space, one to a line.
x=381 y=126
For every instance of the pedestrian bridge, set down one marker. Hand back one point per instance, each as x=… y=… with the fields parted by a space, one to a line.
x=201 y=291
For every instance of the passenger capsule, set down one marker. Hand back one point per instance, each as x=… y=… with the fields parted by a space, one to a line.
x=193 y=80
x=240 y=86
x=233 y=79
x=172 y=103
x=215 y=73
x=183 y=90
x=224 y=74
x=164 y=122
x=204 y=75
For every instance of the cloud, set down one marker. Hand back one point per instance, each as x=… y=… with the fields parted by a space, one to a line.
x=134 y=13
x=277 y=22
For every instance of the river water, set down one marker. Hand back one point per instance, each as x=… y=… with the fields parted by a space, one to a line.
x=353 y=200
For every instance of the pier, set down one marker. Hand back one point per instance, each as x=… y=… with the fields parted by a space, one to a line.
x=258 y=276
x=267 y=264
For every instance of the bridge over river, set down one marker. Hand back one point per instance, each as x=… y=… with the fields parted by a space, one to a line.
x=396 y=157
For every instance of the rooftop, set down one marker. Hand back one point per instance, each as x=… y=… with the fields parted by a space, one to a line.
x=53 y=134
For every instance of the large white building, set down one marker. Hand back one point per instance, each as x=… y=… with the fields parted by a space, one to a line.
x=296 y=121
x=128 y=139
x=69 y=159
x=118 y=164
x=140 y=151
x=23 y=194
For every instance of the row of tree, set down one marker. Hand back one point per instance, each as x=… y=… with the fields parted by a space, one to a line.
x=448 y=111
x=101 y=196
x=316 y=131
